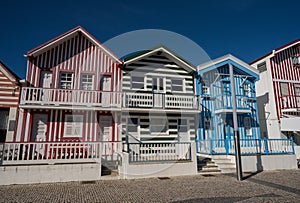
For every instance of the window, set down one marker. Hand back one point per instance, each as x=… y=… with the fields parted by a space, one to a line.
x=262 y=67
x=137 y=82
x=66 y=80
x=247 y=90
x=297 y=89
x=177 y=85
x=73 y=126
x=87 y=81
x=226 y=88
x=207 y=123
x=158 y=125
x=205 y=90
x=247 y=125
x=132 y=124
x=182 y=125
x=158 y=84
x=284 y=89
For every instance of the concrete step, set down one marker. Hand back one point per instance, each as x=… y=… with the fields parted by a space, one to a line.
x=215 y=172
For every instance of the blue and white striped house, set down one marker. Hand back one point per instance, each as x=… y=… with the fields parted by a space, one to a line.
x=215 y=130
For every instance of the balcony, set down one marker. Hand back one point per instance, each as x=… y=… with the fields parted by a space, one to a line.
x=290 y=103
x=54 y=98
x=223 y=103
x=160 y=101
x=67 y=98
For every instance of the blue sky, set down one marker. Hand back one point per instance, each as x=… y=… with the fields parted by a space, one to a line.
x=247 y=29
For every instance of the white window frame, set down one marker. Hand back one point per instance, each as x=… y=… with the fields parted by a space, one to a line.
x=247 y=89
x=205 y=89
x=66 y=82
x=177 y=85
x=141 y=83
x=160 y=122
x=73 y=123
x=87 y=82
x=158 y=81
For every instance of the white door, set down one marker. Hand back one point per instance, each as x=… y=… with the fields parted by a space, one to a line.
x=183 y=148
x=38 y=134
x=158 y=88
x=105 y=87
x=105 y=134
x=45 y=83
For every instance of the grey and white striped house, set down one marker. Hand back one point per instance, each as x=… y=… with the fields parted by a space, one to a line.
x=159 y=98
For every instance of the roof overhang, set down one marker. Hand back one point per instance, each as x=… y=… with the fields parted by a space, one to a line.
x=51 y=43
x=228 y=59
x=169 y=54
x=11 y=75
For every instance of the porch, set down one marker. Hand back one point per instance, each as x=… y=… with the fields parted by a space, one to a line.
x=248 y=146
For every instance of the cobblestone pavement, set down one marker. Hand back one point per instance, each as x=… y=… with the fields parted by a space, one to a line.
x=275 y=186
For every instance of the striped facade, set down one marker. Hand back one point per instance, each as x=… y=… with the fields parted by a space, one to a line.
x=166 y=112
x=214 y=86
x=279 y=97
x=68 y=78
x=9 y=101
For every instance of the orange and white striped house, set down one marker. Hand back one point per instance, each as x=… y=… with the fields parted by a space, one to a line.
x=9 y=101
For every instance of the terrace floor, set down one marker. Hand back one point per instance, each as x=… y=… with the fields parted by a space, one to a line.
x=272 y=186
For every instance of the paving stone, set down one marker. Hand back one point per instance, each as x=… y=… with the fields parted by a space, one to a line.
x=275 y=186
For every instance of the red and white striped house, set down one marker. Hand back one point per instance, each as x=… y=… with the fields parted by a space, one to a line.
x=73 y=91
x=9 y=101
x=278 y=92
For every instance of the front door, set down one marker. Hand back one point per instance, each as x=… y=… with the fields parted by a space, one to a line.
x=105 y=87
x=158 y=88
x=183 y=130
x=39 y=127
x=229 y=134
x=45 y=83
x=105 y=134
x=4 y=113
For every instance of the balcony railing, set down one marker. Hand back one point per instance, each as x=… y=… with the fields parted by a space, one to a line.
x=45 y=96
x=225 y=102
x=70 y=97
x=160 y=101
x=290 y=102
x=248 y=146
x=156 y=152
x=15 y=153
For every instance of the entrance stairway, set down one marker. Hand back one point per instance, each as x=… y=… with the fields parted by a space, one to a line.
x=216 y=164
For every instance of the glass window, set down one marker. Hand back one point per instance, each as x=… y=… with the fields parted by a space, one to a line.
x=177 y=84
x=132 y=124
x=66 y=80
x=158 y=125
x=284 y=89
x=137 y=82
x=158 y=84
x=87 y=81
x=247 y=90
x=73 y=126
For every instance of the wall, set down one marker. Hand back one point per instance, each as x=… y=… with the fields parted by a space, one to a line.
x=158 y=169
x=29 y=174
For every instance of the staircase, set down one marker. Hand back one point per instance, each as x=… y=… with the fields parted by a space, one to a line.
x=217 y=164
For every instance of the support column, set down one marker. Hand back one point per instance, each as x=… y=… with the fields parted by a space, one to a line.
x=237 y=146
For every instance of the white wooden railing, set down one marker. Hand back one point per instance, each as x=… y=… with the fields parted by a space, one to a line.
x=15 y=153
x=149 y=152
x=44 y=96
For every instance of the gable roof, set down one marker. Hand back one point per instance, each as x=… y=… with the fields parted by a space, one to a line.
x=228 y=59
x=170 y=54
x=279 y=49
x=9 y=73
x=56 y=40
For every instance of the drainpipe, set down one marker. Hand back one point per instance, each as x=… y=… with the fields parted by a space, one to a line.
x=237 y=146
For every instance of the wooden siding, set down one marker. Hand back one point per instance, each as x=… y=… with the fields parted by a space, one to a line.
x=283 y=71
x=172 y=126
x=154 y=65
x=9 y=89
x=55 y=125
x=77 y=55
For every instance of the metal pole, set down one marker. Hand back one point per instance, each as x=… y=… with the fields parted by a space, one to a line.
x=237 y=146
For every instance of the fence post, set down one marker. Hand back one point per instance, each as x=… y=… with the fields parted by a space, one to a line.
x=226 y=146
x=210 y=147
x=266 y=145
x=292 y=143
